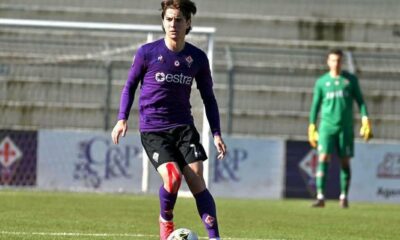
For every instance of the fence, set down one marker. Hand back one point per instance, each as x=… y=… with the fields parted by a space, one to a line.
x=63 y=77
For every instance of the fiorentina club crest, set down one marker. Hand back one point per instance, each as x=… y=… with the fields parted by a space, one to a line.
x=189 y=61
x=308 y=166
x=9 y=155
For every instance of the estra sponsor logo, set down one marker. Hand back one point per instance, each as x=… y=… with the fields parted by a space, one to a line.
x=173 y=78
x=389 y=166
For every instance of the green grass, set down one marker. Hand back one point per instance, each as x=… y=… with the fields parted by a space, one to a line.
x=56 y=215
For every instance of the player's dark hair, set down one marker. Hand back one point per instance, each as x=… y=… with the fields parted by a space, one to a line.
x=187 y=8
x=336 y=51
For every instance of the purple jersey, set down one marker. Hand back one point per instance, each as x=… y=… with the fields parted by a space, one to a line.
x=166 y=78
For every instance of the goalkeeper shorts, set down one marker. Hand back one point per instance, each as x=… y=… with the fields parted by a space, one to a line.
x=339 y=139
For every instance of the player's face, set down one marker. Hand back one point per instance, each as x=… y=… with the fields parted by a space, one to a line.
x=175 y=24
x=334 y=62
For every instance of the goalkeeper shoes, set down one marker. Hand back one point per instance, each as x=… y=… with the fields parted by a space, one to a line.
x=319 y=203
x=344 y=203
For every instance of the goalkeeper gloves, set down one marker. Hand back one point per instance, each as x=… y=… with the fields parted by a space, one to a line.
x=312 y=135
x=366 y=130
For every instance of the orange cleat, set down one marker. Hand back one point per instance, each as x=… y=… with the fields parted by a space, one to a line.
x=166 y=228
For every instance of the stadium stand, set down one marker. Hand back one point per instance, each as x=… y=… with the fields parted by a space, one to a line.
x=270 y=51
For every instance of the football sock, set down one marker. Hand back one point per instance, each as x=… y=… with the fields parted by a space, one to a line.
x=345 y=176
x=322 y=173
x=167 y=203
x=207 y=211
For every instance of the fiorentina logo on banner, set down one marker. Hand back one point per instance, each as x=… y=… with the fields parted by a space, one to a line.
x=301 y=166
x=17 y=158
x=308 y=166
x=9 y=155
x=9 y=152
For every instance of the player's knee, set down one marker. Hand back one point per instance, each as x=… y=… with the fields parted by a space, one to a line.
x=175 y=184
x=323 y=158
x=174 y=179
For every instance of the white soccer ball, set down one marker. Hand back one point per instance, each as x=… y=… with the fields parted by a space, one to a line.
x=183 y=234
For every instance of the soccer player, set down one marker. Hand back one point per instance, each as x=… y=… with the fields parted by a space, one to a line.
x=166 y=70
x=334 y=93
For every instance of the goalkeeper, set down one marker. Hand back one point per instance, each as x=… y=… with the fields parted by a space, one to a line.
x=334 y=93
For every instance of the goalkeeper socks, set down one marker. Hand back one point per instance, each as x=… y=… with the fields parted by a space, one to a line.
x=345 y=176
x=207 y=211
x=322 y=173
x=167 y=203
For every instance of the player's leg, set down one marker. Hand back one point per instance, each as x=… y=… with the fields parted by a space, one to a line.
x=194 y=154
x=168 y=192
x=161 y=150
x=204 y=200
x=325 y=149
x=345 y=176
x=321 y=176
x=346 y=151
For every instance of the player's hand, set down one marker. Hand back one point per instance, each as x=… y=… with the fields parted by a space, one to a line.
x=312 y=135
x=220 y=145
x=366 y=130
x=119 y=130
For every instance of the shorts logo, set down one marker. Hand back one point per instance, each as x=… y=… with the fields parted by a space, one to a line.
x=320 y=148
x=196 y=151
x=155 y=157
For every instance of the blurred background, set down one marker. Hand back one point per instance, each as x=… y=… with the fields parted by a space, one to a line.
x=63 y=64
x=266 y=58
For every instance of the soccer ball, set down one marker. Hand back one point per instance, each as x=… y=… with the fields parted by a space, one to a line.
x=183 y=234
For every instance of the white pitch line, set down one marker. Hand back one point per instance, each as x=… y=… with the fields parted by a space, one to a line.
x=78 y=234
x=103 y=235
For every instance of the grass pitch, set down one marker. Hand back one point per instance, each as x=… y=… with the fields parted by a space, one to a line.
x=56 y=215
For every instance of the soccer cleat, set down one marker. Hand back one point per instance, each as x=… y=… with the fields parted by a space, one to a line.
x=319 y=203
x=344 y=203
x=166 y=228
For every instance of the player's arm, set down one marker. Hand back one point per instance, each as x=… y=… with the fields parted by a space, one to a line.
x=205 y=85
x=315 y=105
x=366 y=129
x=136 y=73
